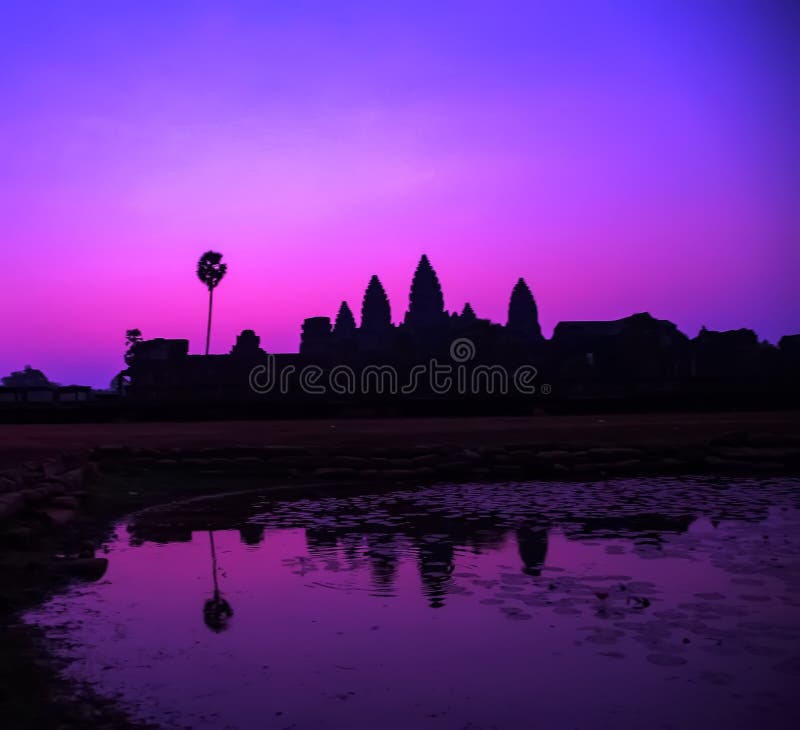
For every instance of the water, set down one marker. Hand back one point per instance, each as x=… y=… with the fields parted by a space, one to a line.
x=628 y=604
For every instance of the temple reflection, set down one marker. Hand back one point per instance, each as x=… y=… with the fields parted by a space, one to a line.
x=435 y=561
x=251 y=533
x=382 y=553
x=320 y=542
x=532 y=546
x=376 y=533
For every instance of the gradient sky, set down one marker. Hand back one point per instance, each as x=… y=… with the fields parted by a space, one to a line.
x=621 y=156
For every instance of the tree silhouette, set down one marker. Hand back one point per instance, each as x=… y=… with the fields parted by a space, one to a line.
x=118 y=382
x=426 y=303
x=210 y=271
x=375 y=311
x=26 y=378
x=345 y=322
x=132 y=338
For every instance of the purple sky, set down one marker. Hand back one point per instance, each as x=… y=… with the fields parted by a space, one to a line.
x=621 y=156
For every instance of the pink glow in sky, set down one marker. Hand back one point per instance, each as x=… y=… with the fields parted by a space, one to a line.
x=621 y=158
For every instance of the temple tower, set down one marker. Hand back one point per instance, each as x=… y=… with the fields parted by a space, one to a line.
x=315 y=337
x=523 y=316
x=345 y=332
x=376 y=317
x=426 y=303
x=376 y=314
x=345 y=327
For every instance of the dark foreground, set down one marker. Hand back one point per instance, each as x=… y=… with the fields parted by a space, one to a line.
x=61 y=487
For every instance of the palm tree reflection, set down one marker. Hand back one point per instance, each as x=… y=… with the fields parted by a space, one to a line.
x=217 y=612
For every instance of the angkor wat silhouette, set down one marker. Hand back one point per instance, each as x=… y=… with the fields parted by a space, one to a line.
x=627 y=357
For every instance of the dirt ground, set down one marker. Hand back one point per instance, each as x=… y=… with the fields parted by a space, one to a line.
x=31 y=440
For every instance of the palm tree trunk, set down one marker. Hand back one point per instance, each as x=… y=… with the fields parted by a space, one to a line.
x=208 y=328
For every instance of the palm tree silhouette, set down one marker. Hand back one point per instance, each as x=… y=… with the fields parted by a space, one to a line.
x=210 y=271
x=132 y=338
x=216 y=611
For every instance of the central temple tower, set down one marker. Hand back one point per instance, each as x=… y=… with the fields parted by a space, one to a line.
x=426 y=303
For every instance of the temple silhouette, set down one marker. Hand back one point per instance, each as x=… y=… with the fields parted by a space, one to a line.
x=634 y=357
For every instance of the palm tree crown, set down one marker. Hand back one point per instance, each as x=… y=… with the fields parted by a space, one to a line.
x=210 y=269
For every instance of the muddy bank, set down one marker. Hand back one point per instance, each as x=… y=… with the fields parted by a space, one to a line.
x=54 y=523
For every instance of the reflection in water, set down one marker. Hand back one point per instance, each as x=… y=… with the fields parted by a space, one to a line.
x=532 y=544
x=251 y=533
x=382 y=553
x=435 y=567
x=320 y=541
x=216 y=610
x=625 y=604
